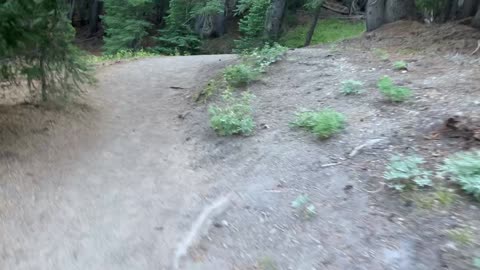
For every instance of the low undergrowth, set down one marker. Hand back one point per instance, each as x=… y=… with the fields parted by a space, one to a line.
x=324 y=124
x=392 y=92
x=234 y=116
x=327 y=31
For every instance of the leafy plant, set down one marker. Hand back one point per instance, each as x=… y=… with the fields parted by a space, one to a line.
x=302 y=203
x=400 y=65
x=240 y=74
x=324 y=123
x=234 y=117
x=351 y=87
x=464 y=169
x=461 y=236
x=405 y=171
x=393 y=92
x=265 y=56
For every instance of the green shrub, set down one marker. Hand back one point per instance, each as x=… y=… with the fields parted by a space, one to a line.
x=234 y=117
x=400 y=65
x=464 y=169
x=405 y=171
x=351 y=87
x=240 y=74
x=393 y=92
x=265 y=56
x=324 y=123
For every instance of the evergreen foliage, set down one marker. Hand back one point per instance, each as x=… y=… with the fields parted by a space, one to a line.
x=252 y=25
x=178 y=37
x=126 y=24
x=36 y=46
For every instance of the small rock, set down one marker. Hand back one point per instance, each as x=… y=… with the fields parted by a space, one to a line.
x=225 y=223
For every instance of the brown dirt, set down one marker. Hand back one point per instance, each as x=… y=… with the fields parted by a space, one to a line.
x=116 y=185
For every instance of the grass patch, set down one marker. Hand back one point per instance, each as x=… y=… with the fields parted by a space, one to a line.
x=235 y=116
x=393 y=92
x=382 y=54
x=324 y=123
x=461 y=236
x=120 y=55
x=327 y=31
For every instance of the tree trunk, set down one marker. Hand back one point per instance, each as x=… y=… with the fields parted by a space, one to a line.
x=274 y=18
x=468 y=9
x=93 y=19
x=311 y=31
x=398 y=9
x=447 y=11
x=476 y=20
x=375 y=14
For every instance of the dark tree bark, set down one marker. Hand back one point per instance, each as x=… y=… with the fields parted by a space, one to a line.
x=313 y=26
x=476 y=20
x=274 y=18
x=398 y=9
x=469 y=8
x=375 y=14
x=93 y=18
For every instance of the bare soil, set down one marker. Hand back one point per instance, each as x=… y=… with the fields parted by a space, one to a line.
x=119 y=183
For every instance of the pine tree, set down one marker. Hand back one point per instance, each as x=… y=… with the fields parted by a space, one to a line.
x=252 y=25
x=36 y=46
x=126 y=24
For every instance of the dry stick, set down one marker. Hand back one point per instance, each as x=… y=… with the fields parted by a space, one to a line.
x=478 y=48
x=200 y=225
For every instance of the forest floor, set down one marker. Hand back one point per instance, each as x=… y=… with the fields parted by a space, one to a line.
x=123 y=182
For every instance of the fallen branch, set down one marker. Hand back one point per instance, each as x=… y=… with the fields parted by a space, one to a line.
x=201 y=225
x=357 y=149
x=478 y=48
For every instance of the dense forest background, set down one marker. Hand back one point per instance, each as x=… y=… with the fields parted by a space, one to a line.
x=189 y=26
x=36 y=44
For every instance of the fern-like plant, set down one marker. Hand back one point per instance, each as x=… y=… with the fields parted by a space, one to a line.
x=235 y=116
x=464 y=169
x=324 y=123
x=406 y=171
x=393 y=92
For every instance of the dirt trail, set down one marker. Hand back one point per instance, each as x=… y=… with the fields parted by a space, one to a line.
x=119 y=191
x=122 y=186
